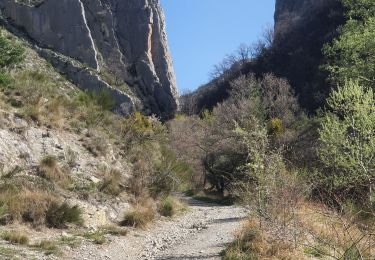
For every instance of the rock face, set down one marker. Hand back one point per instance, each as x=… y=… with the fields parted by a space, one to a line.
x=302 y=27
x=103 y=44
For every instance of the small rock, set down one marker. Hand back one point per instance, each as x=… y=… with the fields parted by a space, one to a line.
x=95 y=180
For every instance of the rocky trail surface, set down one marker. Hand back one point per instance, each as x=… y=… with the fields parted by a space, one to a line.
x=201 y=233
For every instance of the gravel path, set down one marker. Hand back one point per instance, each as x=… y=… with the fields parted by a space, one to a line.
x=202 y=233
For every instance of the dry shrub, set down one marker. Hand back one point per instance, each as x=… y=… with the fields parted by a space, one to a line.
x=252 y=242
x=113 y=183
x=15 y=238
x=140 y=216
x=50 y=170
x=29 y=206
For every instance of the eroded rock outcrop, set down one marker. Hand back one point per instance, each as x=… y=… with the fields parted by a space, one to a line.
x=103 y=44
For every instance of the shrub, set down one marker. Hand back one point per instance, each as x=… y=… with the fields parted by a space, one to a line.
x=113 y=183
x=275 y=128
x=139 y=217
x=169 y=174
x=347 y=140
x=249 y=244
x=24 y=205
x=71 y=157
x=102 y=99
x=5 y=81
x=169 y=206
x=15 y=238
x=10 y=52
x=49 y=169
x=58 y=215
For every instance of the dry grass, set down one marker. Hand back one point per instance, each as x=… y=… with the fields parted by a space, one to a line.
x=139 y=217
x=48 y=247
x=313 y=230
x=340 y=237
x=28 y=206
x=50 y=170
x=252 y=242
x=113 y=182
x=15 y=238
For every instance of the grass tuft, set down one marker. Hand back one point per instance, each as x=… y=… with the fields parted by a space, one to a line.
x=169 y=206
x=15 y=238
x=139 y=217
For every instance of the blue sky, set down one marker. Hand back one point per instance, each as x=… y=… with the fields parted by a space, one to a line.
x=202 y=32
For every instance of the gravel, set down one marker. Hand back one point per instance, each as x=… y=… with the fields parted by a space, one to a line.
x=201 y=233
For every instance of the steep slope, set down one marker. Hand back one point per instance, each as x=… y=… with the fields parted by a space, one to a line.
x=103 y=44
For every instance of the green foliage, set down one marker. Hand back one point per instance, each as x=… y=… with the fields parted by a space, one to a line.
x=275 y=127
x=11 y=53
x=347 y=138
x=58 y=215
x=138 y=129
x=169 y=206
x=170 y=174
x=102 y=99
x=352 y=54
x=5 y=81
x=359 y=9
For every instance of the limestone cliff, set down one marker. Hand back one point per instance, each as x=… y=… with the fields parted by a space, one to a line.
x=103 y=44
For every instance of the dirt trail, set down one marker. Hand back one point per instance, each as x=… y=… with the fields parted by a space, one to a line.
x=202 y=233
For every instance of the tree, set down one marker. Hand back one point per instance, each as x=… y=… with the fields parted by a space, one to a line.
x=352 y=54
x=347 y=139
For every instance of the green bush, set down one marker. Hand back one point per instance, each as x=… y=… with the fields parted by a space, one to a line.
x=169 y=174
x=347 y=139
x=5 y=81
x=10 y=52
x=352 y=54
x=58 y=215
x=169 y=206
x=102 y=99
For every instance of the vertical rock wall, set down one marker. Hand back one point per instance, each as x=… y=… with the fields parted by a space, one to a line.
x=113 y=41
